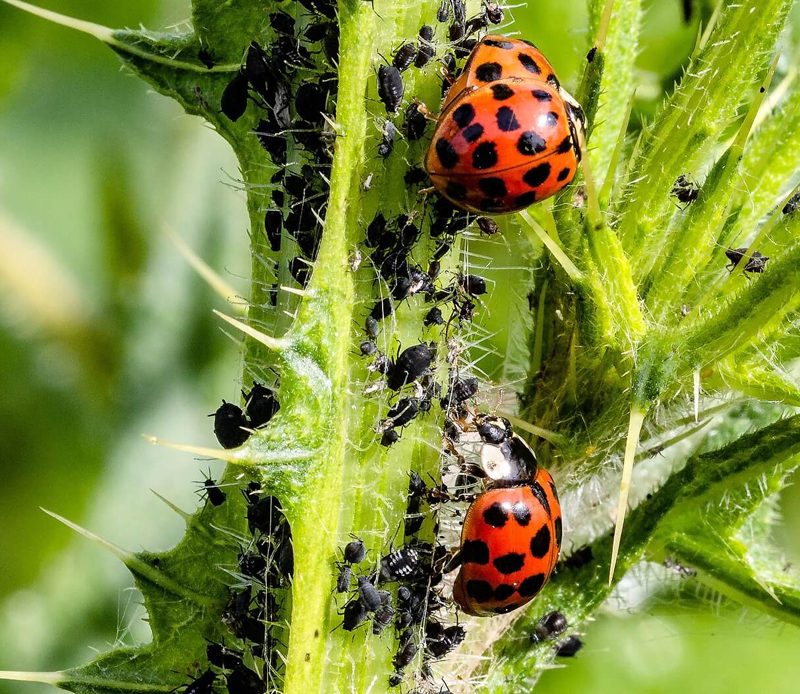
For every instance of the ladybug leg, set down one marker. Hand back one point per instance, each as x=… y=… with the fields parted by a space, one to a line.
x=453 y=562
x=423 y=109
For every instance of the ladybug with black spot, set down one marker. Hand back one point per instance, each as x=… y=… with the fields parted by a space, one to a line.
x=508 y=135
x=511 y=535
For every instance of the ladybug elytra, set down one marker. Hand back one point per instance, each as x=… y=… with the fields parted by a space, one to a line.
x=508 y=134
x=511 y=535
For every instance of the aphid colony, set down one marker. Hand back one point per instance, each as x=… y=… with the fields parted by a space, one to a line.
x=508 y=136
x=292 y=128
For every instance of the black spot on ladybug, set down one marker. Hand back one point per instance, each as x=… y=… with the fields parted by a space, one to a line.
x=493 y=187
x=509 y=563
x=565 y=146
x=480 y=591
x=537 y=175
x=505 y=45
x=491 y=205
x=531 y=585
x=529 y=63
x=448 y=157
x=559 y=530
x=474 y=552
x=553 y=490
x=541 y=95
x=473 y=133
x=503 y=592
x=495 y=515
x=506 y=119
x=540 y=544
x=521 y=512
x=563 y=175
x=456 y=190
x=531 y=143
x=549 y=120
x=484 y=156
x=501 y=92
x=489 y=72
x=463 y=115
x=525 y=199
x=541 y=497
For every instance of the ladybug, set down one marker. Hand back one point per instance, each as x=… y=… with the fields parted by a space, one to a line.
x=511 y=535
x=508 y=134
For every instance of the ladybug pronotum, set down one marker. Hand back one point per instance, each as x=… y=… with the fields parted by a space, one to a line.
x=508 y=134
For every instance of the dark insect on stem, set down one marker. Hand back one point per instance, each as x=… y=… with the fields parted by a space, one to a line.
x=685 y=190
x=404 y=56
x=387 y=142
x=411 y=363
x=792 y=204
x=390 y=87
x=202 y=685
x=214 y=494
x=755 y=263
x=414 y=122
x=426 y=50
x=261 y=405
x=549 y=626
x=205 y=56
x=229 y=425
x=569 y=647
x=234 y=97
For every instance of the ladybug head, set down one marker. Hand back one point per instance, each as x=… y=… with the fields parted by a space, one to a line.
x=577 y=122
x=509 y=463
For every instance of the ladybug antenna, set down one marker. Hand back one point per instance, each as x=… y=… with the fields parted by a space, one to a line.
x=634 y=430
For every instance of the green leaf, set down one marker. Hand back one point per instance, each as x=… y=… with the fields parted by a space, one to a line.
x=694 y=119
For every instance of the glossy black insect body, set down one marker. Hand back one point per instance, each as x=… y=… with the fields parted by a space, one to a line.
x=569 y=647
x=202 y=685
x=390 y=87
x=234 y=97
x=685 y=190
x=273 y=225
x=549 y=626
x=426 y=50
x=439 y=640
x=229 y=421
x=387 y=142
x=215 y=495
x=401 y=564
x=412 y=363
x=755 y=262
x=355 y=614
x=414 y=122
x=369 y=594
x=403 y=411
x=310 y=101
x=487 y=226
x=243 y=680
x=792 y=204
x=261 y=405
x=404 y=56
x=222 y=656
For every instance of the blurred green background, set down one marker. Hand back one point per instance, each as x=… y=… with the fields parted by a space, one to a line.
x=106 y=334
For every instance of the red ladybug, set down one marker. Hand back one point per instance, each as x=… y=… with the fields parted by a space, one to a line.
x=509 y=545
x=508 y=134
